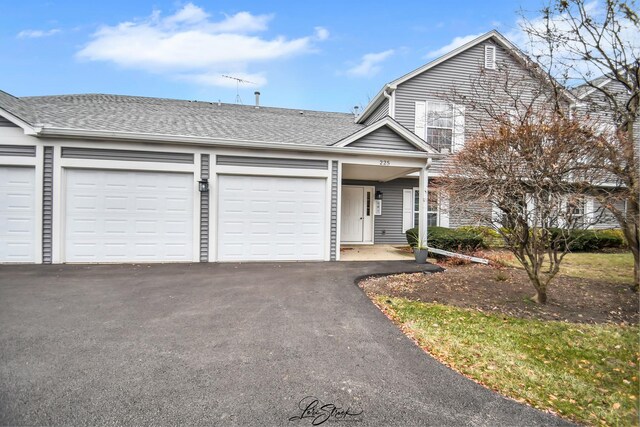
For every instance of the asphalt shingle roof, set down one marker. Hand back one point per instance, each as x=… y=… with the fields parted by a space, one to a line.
x=586 y=87
x=117 y=113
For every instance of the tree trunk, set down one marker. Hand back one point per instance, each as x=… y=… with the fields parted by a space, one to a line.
x=540 y=297
x=636 y=268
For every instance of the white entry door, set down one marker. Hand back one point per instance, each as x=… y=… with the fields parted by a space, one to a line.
x=17 y=214
x=352 y=225
x=262 y=218
x=128 y=216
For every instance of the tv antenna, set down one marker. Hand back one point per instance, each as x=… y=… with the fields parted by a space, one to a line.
x=238 y=81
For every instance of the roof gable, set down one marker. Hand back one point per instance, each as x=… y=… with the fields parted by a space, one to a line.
x=492 y=35
x=386 y=134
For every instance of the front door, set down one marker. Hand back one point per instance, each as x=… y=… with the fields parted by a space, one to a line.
x=356 y=214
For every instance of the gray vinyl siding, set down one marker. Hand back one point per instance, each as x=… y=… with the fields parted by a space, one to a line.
x=378 y=113
x=334 y=211
x=458 y=74
x=440 y=166
x=18 y=150
x=127 y=155
x=468 y=214
x=607 y=220
x=383 y=138
x=204 y=211
x=269 y=162
x=4 y=123
x=388 y=226
x=47 y=206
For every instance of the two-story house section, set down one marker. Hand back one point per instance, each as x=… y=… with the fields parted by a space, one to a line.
x=427 y=102
x=435 y=103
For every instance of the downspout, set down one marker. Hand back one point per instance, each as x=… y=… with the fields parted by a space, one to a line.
x=389 y=93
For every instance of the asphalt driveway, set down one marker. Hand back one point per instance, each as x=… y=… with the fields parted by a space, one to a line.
x=208 y=344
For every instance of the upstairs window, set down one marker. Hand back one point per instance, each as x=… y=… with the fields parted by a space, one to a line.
x=490 y=57
x=440 y=124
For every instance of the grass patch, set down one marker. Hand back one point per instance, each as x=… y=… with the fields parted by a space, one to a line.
x=588 y=373
x=608 y=267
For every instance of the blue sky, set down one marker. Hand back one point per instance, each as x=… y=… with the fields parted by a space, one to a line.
x=323 y=55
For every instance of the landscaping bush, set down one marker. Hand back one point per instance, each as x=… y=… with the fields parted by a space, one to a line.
x=490 y=237
x=448 y=239
x=591 y=240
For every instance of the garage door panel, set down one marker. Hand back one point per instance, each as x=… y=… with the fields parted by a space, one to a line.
x=266 y=218
x=128 y=216
x=17 y=214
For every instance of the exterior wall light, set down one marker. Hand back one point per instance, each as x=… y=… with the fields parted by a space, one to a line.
x=203 y=185
x=378 y=195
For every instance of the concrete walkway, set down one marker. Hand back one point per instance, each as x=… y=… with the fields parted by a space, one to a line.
x=222 y=344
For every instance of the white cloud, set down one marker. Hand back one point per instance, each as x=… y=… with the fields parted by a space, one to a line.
x=190 y=45
x=455 y=43
x=369 y=64
x=321 y=33
x=36 y=34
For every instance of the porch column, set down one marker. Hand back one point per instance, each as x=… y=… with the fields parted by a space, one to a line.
x=423 y=185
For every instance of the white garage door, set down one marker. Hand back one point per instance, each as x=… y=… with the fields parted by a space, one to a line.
x=271 y=218
x=17 y=214
x=125 y=216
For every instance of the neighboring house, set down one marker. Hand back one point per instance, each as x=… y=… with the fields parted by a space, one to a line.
x=593 y=105
x=106 y=178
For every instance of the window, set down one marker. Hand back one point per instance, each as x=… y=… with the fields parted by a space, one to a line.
x=432 y=208
x=439 y=124
x=490 y=57
x=575 y=211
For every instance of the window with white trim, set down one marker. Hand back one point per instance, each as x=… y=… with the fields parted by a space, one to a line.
x=576 y=210
x=489 y=57
x=440 y=124
x=433 y=213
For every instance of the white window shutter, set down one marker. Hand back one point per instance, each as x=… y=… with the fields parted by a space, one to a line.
x=531 y=210
x=421 y=119
x=589 y=211
x=496 y=214
x=458 y=127
x=444 y=209
x=564 y=210
x=407 y=209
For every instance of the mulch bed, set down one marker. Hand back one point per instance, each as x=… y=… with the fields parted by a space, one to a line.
x=508 y=291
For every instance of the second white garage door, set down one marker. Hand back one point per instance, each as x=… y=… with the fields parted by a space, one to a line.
x=127 y=216
x=271 y=218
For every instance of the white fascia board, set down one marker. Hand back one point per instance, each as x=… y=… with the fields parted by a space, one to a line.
x=593 y=89
x=220 y=142
x=401 y=131
x=26 y=127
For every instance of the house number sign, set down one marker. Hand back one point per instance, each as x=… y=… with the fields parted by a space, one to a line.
x=385 y=162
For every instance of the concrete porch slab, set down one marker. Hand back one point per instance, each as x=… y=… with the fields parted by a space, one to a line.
x=374 y=253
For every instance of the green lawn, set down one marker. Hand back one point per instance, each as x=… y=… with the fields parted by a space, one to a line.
x=610 y=267
x=588 y=373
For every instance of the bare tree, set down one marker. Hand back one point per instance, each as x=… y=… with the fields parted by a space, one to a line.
x=596 y=46
x=530 y=171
